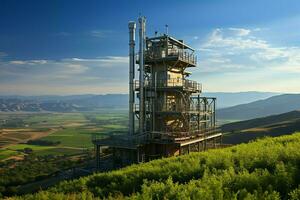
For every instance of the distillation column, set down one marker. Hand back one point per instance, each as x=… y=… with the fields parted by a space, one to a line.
x=142 y=24
x=132 y=27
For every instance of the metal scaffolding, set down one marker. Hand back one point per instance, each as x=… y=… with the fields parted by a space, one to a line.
x=174 y=118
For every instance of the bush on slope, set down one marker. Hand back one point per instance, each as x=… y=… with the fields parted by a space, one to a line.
x=265 y=169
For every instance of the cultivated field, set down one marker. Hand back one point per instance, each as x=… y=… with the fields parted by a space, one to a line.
x=71 y=132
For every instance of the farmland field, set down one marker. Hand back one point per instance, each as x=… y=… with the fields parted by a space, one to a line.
x=71 y=132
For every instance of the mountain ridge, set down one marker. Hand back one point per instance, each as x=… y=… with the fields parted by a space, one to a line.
x=274 y=125
x=261 y=108
x=70 y=103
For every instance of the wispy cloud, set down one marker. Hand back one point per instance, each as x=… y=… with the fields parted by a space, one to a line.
x=28 y=62
x=100 y=33
x=243 y=59
x=104 y=73
x=240 y=31
x=236 y=48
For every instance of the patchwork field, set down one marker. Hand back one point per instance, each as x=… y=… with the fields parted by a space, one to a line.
x=70 y=132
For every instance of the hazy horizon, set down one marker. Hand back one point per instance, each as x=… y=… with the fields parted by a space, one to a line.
x=71 y=94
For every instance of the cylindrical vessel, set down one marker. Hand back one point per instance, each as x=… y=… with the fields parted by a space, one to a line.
x=132 y=27
x=142 y=24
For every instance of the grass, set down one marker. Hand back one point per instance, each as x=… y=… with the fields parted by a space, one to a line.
x=6 y=153
x=114 y=126
x=55 y=119
x=109 y=116
x=59 y=151
x=15 y=150
x=72 y=137
x=33 y=147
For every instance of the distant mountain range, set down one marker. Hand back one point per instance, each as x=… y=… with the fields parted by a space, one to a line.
x=261 y=108
x=62 y=103
x=17 y=105
x=90 y=102
x=275 y=125
x=228 y=99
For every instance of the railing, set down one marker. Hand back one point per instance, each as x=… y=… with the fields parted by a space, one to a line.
x=186 y=134
x=147 y=107
x=179 y=53
x=178 y=107
x=174 y=82
x=194 y=104
x=187 y=57
x=136 y=107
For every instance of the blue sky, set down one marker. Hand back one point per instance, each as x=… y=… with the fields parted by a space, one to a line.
x=79 y=47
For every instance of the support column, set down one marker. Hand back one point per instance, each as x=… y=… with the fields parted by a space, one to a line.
x=131 y=27
x=142 y=22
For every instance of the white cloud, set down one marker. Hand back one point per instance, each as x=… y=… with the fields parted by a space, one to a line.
x=75 y=68
x=28 y=62
x=103 y=73
x=100 y=33
x=237 y=49
x=240 y=31
x=18 y=62
x=223 y=38
x=233 y=59
x=104 y=61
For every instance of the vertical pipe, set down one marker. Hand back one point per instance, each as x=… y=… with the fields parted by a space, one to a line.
x=155 y=101
x=131 y=26
x=215 y=113
x=142 y=22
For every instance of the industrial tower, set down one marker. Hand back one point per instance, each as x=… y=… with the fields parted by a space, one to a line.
x=173 y=118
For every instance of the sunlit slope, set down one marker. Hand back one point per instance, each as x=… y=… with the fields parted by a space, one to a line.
x=266 y=169
x=262 y=108
x=275 y=125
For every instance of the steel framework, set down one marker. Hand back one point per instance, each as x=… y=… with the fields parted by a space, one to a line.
x=174 y=118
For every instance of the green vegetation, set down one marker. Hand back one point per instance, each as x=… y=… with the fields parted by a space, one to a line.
x=41 y=150
x=37 y=147
x=6 y=153
x=43 y=142
x=266 y=169
x=33 y=168
x=71 y=137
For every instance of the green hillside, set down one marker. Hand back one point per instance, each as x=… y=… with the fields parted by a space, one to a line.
x=274 y=125
x=265 y=169
x=271 y=106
